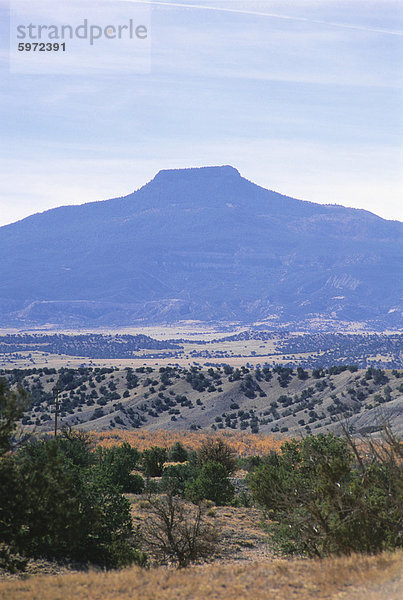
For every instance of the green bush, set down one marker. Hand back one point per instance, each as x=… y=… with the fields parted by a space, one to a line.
x=153 y=461
x=12 y=407
x=10 y=560
x=326 y=499
x=175 y=478
x=75 y=446
x=178 y=453
x=117 y=465
x=52 y=506
x=212 y=483
x=243 y=499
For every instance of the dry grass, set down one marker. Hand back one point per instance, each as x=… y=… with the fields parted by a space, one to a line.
x=355 y=577
x=244 y=444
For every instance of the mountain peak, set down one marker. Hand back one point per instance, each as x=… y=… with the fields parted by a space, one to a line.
x=200 y=244
x=223 y=171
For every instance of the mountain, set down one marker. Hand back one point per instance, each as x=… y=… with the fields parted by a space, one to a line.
x=201 y=244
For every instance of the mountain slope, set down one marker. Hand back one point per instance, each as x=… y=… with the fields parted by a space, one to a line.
x=200 y=244
x=232 y=399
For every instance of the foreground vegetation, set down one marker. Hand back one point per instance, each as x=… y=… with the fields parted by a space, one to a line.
x=328 y=496
x=65 y=499
x=352 y=578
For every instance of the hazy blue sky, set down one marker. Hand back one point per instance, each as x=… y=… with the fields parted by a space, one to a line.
x=303 y=97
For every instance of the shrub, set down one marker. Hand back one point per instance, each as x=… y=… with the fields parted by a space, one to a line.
x=116 y=464
x=153 y=461
x=52 y=506
x=243 y=499
x=317 y=373
x=75 y=446
x=217 y=450
x=10 y=560
x=328 y=499
x=212 y=483
x=178 y=453
x=176 y=532
x=175 y=477
x=284 y=375
x=302 y=374
x=12 y=407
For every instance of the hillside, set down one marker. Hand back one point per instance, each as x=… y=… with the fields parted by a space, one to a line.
x=202 y=244
x=278 y=400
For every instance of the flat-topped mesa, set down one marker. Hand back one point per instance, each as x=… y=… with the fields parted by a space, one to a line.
x=201 y=244
x=216 y=187
x=196 y=174
x=197 y=185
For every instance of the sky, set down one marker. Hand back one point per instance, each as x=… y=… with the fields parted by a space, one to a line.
x=304 y=97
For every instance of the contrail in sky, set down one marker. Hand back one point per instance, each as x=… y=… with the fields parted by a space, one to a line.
x=267 y=14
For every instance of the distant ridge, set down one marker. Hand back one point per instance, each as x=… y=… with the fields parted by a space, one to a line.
x=206 y=244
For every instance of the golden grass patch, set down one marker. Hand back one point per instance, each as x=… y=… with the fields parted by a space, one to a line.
x=244 y=444
x=355 y=577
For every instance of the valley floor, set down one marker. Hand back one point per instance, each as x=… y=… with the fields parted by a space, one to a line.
x=351 y=578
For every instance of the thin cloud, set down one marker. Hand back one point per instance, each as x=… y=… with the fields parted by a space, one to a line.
x=267 y=14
